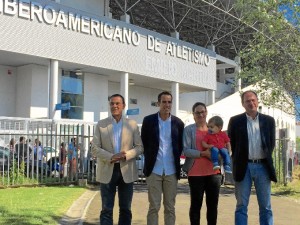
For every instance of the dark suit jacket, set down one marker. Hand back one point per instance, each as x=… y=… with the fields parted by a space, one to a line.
x=150 y=138
x=237 y=131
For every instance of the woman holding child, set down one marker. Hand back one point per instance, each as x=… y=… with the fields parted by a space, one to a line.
x=202 y=177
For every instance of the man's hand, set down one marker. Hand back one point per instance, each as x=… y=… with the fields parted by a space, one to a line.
x=117 y=157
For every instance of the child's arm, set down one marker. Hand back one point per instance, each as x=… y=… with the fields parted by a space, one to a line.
x=228 y=146
x=206 y=146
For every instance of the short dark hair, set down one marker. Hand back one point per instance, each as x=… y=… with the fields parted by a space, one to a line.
x=217 y=120
x=249 y=91
x=164 y=93
x=197 y=104
x=117 y=95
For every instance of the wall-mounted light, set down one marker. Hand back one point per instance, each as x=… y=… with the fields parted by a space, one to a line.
x=131 y=82
x=78 y=72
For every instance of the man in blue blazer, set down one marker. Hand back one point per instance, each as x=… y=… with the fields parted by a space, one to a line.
x=252 y=137
x=163 y=143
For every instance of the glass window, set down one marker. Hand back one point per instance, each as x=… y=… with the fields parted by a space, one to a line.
x=72 y=91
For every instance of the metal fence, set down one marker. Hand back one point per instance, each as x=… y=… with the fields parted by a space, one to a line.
x=22 y=162
x=38 y=152
x=283 y=161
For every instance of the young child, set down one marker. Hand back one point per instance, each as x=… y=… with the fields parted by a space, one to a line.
x=218 y=142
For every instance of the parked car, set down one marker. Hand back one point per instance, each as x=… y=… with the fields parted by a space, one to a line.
x=4 y=158
x=38 y=166
x=54 y=166
x=50 y=165
x=50 y=152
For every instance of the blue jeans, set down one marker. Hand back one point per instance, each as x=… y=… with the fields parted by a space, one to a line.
x=215 y=156
x=108 y=192
x=256 y=172
x=210 y=185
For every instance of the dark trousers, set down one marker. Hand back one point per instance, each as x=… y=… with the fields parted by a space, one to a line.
x=108 y=192
x=210 y=185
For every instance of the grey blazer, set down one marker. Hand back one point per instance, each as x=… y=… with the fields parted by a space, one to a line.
x=189 y=147
x=103 y=149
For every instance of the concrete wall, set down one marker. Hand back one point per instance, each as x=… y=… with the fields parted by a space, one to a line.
x=23 y=91
x=62 y=42
x=143 y=100
x=95 y=97
x=8 y=77
x=95 y=7
x=39 y=92
x=186 y=100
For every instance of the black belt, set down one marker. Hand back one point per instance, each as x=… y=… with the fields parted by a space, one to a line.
x=256 y=160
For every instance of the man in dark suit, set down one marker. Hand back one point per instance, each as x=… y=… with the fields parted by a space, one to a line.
x=162 y=139
x=252 y=137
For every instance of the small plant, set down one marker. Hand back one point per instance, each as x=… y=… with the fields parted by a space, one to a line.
x=296 y=173
x=291 y=189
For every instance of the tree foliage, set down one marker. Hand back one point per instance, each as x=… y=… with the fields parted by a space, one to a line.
x=297 y=143
x=272 y=58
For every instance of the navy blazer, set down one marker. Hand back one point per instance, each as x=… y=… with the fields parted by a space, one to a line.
x=238 y=133
x=150 y=139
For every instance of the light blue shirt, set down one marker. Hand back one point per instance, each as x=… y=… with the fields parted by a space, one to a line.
x=74 y=151
x=117 y=133
x=255 y=145
x=165 y=159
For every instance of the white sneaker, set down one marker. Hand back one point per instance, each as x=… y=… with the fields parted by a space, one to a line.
x=216 y=167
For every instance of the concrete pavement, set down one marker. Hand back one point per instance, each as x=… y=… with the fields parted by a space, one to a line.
x=85 y=211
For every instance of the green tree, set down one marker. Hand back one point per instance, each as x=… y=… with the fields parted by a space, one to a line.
x=272 y=57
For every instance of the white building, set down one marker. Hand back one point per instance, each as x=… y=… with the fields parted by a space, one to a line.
x=54 y=52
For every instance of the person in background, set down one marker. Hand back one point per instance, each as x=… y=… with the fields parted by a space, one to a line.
x=72 y=158
x=252 y=136
x=38 y=150
x=62 y=158
x=12 y=143
x=219 y=143
x=202 y=177
x=23 y=150
x=162 y=139
x=116 y=144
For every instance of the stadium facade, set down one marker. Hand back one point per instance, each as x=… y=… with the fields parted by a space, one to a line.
x=63 y=59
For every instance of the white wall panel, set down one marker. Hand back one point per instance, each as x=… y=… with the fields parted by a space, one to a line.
x=95 y=97
x=23 y=90
x=95 y=7
x=39 y=92
x=8 y=76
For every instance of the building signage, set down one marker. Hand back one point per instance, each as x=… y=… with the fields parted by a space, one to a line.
x=63 y=106
x=47 y=14
x=133 y=111
x=179 y=51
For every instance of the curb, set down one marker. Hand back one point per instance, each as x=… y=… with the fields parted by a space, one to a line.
x=77 y=212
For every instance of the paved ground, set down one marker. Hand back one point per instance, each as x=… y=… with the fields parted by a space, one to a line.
x=85 y=211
